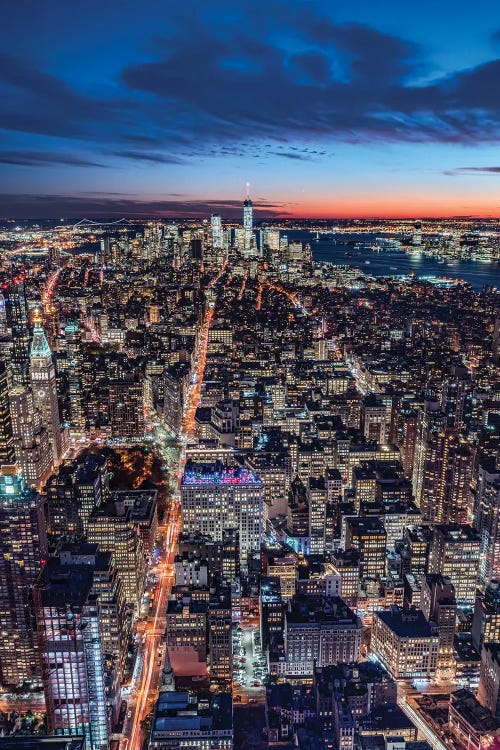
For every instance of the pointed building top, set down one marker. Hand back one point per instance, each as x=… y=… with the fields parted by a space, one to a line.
x=167 y=676
x=39 y=344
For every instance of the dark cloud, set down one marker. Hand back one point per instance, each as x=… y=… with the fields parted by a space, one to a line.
x=37 y=102
x=97 y=205
x=357 y=86
x=225 y=89
x=45 y=159
x=312 y=67
x=296 y=155
x=473 y=170
x=149 y=157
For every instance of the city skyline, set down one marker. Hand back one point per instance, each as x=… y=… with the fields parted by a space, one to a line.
x=348 y=113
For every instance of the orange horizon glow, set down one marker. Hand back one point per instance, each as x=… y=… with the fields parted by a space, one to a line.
x=408 y=206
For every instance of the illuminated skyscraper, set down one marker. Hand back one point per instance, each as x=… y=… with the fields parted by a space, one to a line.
x=73 y=352
x=248 y=225
x=23 y=547
x=70 y=641
x=215 y=497
x=217 y=238
x=43 y=382
x=442 y=469
x=31 y=438
x=7 y=455
x=417 y=234
x=17 y=320
x=487 y=521
x=428 y=459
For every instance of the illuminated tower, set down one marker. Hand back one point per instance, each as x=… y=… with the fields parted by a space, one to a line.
x=217 y=239
x=70 y=643
x=417 y=234
x=248 y=223
x=31 y=438
x=43 y=382
x=17 y=320
x=23 y=548
x=7 y=454
x=428 y=460
x=74 y=356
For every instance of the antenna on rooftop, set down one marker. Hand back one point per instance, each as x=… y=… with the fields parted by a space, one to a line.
x=248 y=190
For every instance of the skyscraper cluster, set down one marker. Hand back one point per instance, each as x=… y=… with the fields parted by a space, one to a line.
x=237 y=482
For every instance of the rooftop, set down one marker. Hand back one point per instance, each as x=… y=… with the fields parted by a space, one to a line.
x=409 y=623
x=218 y=473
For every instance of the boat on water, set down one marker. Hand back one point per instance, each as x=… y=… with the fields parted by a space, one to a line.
x=393 y=268
x=367 y=262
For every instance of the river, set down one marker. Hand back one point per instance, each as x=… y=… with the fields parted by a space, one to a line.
x=335 y=249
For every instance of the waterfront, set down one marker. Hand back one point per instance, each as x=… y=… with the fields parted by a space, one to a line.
x=339 y=249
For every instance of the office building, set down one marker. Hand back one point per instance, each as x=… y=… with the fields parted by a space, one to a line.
x=70 y=643
x=43 y=383
x=126 y=407
x=486 y=619
x=248 y=227
x=215 y=497
x=183 y=722
x=23 y=550
x=438 y=603
x=186 y=629
x=16 y=314
x=317 y=501
x=369 y=537
x=107 y=586
x=7 y=450
x=111 y=527
x=488 y=693
x=405 y=643
x=487 y=522
x=454 y=553
x=79 y=486
x=217 y=234
x=320 y=631
x=30 y=436
x=220 y=646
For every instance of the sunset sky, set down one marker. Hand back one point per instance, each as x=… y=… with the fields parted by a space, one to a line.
x=327 y=108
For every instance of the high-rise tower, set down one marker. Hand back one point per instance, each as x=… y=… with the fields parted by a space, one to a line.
x=7 y=454
x=16 y=314
x=70 y=642
x=217 y=237
x=248 y=223
x=43 y=382
x=23 y=547
x=31 y=437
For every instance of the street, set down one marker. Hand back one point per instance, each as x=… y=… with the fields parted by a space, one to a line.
x=143 y=694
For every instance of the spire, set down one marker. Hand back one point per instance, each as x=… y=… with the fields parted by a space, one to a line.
x=167 y=675
x=39 y=344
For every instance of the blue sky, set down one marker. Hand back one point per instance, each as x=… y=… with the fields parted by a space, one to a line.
x=327 y=109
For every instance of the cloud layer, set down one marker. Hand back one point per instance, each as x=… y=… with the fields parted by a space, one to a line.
x=214 y=90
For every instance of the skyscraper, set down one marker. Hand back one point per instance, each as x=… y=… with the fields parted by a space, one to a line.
x=23 y=547
x=248 y=225
x=216 y=224
x=74 y=491
x=443 y=468
x=427 y=461
x=7 y=454
x=17 y=320
x=487 y=521
x=215 y=497
x=73 y=353
x=70 y=642
x=43 y=382
x=31 y=438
